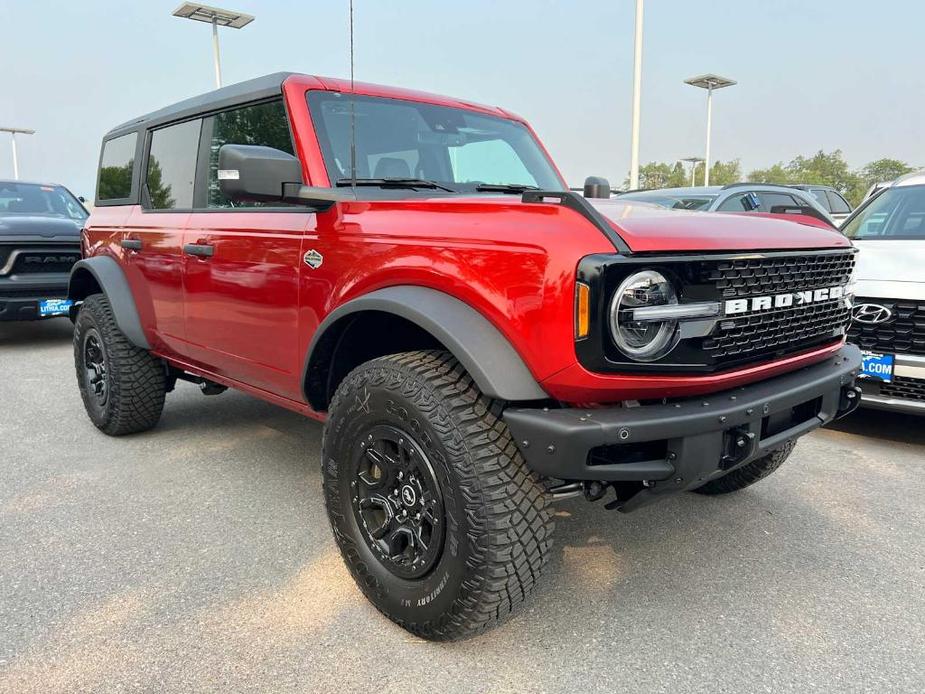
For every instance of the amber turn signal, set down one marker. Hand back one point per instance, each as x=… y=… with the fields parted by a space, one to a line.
x=582 y=310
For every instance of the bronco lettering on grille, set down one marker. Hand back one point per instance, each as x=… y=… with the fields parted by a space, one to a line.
x=765 y=303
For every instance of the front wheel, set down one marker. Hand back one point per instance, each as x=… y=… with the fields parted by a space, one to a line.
x=434 y=510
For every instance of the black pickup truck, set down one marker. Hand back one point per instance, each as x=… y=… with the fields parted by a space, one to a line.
x=39 y=242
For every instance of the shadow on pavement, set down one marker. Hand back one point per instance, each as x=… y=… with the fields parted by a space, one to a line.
x=33 y=333
x=880 y=424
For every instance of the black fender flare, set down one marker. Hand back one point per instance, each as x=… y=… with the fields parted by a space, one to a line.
x=483 y=351
x=111 y=280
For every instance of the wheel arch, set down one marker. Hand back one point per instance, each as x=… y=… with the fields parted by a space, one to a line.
x=406 y=318
x=102 y=274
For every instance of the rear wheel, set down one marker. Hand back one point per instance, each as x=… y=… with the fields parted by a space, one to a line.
x=122 y=386
x=440 y=522
x=747 y=475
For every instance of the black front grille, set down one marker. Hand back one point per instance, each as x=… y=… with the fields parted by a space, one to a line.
x=903 y=332
x=776 y=331
x=32 y=262
x=906 y=388
x=744 y=277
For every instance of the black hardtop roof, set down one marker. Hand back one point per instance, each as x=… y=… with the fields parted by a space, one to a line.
x=249 y=90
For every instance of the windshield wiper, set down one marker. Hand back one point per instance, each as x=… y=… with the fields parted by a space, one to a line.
x=391 y=183
x=515 y=188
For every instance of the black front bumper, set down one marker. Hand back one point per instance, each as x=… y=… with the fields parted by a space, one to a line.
x=19 y=300
x=672 y=447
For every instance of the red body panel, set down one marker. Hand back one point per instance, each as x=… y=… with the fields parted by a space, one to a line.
x=245 y=316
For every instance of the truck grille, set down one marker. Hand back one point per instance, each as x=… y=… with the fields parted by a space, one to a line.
x=904 y=332
x=779 y=331
x=784 y=330
x=741 y=278
x=906 y=388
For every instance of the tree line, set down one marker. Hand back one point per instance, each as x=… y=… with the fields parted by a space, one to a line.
x=822 y=168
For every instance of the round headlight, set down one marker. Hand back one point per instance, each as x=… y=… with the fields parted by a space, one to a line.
x=648 y=339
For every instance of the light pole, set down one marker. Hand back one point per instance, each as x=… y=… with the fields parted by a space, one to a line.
x=709 y=82
x=12 y=132
x=637 y=85
x=693 y=161
x=217 y=17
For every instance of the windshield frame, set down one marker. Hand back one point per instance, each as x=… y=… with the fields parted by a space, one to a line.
x=851 y=224
x=49 y=188
x=468 y=188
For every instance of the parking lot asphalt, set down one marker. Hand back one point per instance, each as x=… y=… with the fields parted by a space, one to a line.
x=197 y=557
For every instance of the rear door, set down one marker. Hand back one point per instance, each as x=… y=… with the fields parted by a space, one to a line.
x=153 y=245
x=242 y=263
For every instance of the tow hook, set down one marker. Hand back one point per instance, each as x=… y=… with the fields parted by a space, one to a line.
x=738 y=444
x=849 y=401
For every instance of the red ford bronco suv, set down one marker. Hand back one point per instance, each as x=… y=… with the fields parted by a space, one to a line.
x=412 y=270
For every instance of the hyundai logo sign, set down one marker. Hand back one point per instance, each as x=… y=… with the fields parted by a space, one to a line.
x=871 y=314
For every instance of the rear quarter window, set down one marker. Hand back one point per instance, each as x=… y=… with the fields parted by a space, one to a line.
x=117 y=164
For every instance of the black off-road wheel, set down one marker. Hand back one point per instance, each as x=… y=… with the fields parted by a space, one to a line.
x=122 y=386
x=442 y=525
x=747 y=475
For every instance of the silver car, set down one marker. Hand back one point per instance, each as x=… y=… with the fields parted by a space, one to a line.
x=889 y=306
x=737 y=197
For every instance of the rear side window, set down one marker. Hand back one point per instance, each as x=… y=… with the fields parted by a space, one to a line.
x=116 y=167
x=769 y=200
x=837 y=203
x=259 y=124
x=821 y=199
x=171 y=171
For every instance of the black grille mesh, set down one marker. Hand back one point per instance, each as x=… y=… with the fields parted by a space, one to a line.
x=756 y=276
x=780 y=331
x=904 y=332
x=774 y=331
x=906 y=388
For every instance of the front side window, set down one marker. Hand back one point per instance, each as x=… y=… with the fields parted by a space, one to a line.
x=455 y=148
x=40 y=201
x=262 y=124
x=171 y=171
x=116 y=166
x=897 y=213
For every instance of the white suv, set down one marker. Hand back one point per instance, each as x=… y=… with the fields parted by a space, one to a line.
x=889 y=308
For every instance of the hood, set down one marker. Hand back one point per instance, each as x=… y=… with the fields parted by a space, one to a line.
x=647 y=227
x=47 y=227
x=890 y=269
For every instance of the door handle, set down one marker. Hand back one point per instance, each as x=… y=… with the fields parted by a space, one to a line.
x=131 y=244
x=201 y=250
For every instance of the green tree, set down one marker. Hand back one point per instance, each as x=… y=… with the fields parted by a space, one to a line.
x=725 y=172
x=884 y=170
x=773 y=174
x=660 y=175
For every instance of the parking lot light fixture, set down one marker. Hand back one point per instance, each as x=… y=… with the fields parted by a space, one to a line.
x=709 y=82
x=693 y=161
x=13 y=132
x=217 y=17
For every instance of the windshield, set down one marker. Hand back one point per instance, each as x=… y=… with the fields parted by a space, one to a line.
x=35 y=199
x=452 y=147
x=675 y=202
x=897 y=213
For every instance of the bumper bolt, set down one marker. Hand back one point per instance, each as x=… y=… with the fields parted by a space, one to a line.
x=750 y=410
x=624 y=434
x=722 y=419
x=550 y=449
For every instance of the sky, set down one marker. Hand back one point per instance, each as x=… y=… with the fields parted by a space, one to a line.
x=819 y=74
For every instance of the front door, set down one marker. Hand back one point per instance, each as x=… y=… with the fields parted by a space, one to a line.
x=242 y=263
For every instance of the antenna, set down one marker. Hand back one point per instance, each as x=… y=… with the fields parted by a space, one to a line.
x=353 y=119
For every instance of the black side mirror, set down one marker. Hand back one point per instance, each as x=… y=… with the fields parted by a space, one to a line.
x=596 y=187
x=252 y=173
